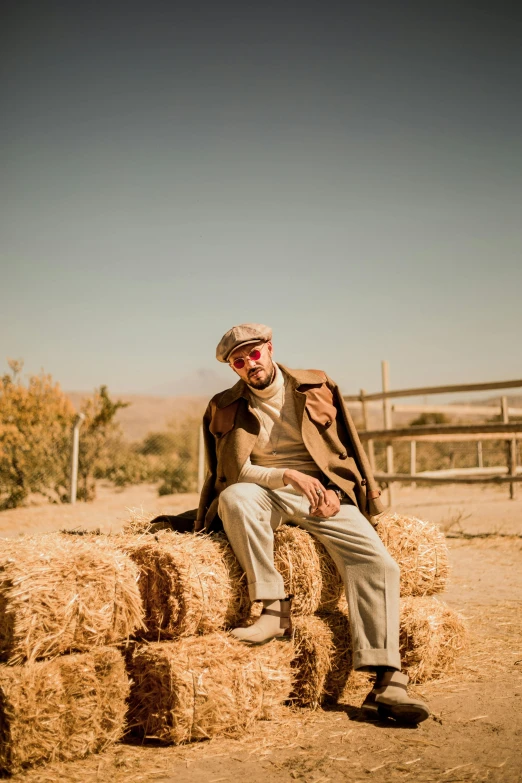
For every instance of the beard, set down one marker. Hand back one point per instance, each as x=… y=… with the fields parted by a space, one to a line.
x=264 y=381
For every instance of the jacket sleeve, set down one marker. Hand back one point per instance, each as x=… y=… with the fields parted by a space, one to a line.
x=374 y=504
x=211 y=465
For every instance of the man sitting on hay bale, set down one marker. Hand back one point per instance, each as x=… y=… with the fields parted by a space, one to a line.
x=281 y=447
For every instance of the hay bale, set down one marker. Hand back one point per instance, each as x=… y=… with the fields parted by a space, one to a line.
x=420 y=550
x=201 y=687
x=323 y=658
x=297 y=560
x=194 y=584
x=308 y=571
x=432 y=637
x=312 y=660
x=332 y=587
x=189 y=583
x=64 y=593
x=62 y=709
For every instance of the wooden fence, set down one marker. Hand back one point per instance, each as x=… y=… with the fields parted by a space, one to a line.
x=439 y=433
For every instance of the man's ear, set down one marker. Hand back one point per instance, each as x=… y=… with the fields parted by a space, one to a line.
x=270 y=348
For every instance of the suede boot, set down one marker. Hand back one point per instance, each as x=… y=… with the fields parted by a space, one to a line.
x=389 y=699
x=275 y=623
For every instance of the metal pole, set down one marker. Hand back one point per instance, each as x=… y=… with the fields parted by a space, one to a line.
x=201 y=459
x=75 y=450
x=480 y=459
x=387 y=414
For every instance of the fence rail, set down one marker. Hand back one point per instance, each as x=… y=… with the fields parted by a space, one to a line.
x=422 y=391
x=504 y=430
x=416 y=433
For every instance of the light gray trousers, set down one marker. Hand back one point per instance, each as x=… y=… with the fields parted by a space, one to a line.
x=251 y=513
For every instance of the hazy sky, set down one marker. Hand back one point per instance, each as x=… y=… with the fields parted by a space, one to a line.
x=348 y=172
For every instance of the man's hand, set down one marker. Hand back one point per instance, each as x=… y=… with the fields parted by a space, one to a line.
x=323 y=503
x=329 y=507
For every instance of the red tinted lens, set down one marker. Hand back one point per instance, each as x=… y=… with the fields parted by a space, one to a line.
x=253 y=355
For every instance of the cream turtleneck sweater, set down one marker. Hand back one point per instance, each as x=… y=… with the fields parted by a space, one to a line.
x=279 y=445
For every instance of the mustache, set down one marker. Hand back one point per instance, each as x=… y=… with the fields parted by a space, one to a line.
x=253 y=370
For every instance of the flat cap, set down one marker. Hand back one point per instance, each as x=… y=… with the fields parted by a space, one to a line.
x=241 y=335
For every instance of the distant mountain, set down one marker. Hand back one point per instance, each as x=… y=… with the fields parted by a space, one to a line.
x=148 y=413
x=202 y=382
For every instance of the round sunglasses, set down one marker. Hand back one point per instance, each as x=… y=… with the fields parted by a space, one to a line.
x=254 y=355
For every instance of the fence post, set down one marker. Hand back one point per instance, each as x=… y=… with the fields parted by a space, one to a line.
x=75 y=449
x=480 y=459
x=413 y=460
x=511 y=449
x=371 y=450
x=201 y=459
x=387 y=414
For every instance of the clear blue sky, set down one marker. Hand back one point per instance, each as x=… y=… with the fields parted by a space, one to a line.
x=349 y=173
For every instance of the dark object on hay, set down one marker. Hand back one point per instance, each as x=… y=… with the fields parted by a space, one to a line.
x=178 y=523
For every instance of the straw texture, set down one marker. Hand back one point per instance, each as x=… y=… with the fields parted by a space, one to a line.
x=65 y=593
x=322 y=660
x=194 y=584
x=202 y=687
x=420 y=550
x=188 y=583
x=62 y=709
x=432 y=637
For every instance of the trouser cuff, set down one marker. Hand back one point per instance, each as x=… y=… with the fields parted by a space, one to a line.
x=363 y=658
x=266 y=591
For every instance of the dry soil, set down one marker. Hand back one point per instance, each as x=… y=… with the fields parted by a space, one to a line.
x=475 y=732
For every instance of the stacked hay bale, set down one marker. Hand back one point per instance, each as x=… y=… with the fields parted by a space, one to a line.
x=193 y=585
x=64 y=603
x=432 y=635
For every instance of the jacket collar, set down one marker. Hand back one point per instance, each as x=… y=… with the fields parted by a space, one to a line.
x=297 y=378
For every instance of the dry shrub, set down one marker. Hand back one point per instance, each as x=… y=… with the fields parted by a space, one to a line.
x=201 y=687
x=432 y=638
x=62 y=709
x=63 y=593
x=189 y=583
x=420 y=550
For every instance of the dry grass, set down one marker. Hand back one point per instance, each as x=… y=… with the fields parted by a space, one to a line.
x=62 y=709
x=202 y=687
x=420 y=550
x=65 y=593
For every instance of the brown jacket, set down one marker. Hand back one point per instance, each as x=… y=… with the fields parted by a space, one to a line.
x=329 y=434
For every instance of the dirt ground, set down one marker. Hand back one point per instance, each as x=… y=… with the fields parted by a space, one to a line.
x=475 y=732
